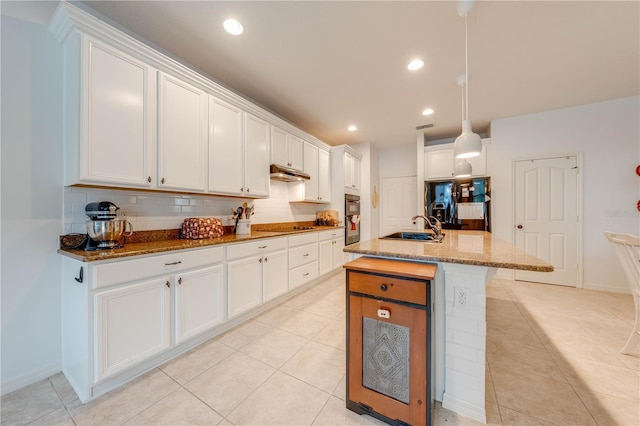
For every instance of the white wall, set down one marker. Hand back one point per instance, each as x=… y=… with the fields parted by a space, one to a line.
x=31 y=202
x=369 y=171
x=398 y=161
x=608 y=136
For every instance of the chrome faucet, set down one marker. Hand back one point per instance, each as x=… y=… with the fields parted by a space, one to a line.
x=435 y=226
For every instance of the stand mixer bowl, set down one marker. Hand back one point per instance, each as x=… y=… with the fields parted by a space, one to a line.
x=107 y=232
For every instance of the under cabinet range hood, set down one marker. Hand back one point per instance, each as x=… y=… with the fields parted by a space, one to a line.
x=287 y=174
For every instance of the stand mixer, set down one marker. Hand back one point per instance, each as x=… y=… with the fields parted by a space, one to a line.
x=105 y=226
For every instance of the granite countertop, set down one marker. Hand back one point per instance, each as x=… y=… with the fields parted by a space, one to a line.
x=171 y=242
x=478 y=248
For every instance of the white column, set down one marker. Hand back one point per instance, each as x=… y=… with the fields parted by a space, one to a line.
x=465 y=338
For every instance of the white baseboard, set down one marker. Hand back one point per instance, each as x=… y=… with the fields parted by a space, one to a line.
x=465 y=408
x=610 y=289
x=27 y=379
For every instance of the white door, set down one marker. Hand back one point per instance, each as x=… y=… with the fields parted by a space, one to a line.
x=226 y=155
x=275 y=274
x=398 y=204
x=311 y=168
x=324 y=176
x=132 y=324
x=325 y=256
x=200 y=301
x=546 y=217
x=338 y=254
x=117 y=141
x=256 y=156
x=182 y=135
x=279 y=151
x=244 y=289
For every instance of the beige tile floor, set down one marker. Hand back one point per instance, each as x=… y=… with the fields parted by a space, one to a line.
x=552 y=359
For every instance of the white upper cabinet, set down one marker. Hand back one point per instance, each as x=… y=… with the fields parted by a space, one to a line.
x=351 y=171
x=182 y=135
x=226 y=156
x=311 y=168
x=317 y=164
x=134 y=118
x=110 y=116
x=439 y=161
x=238 y=151
x=286 y=149
x=324 y=176
x=256 y=156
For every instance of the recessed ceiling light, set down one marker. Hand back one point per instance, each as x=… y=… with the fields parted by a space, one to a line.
x=233 y=27
x=416 y=64
x=427 y=111
x=352 y=128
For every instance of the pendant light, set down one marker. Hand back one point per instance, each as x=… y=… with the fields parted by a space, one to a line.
x=468 y=144
x=462 y=168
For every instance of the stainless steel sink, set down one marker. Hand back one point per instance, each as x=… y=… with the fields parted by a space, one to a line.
x=415 y=236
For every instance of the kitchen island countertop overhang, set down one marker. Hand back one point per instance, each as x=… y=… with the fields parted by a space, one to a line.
x=467 y=261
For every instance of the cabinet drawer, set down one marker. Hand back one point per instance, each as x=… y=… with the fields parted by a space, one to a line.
x=237 y=251
x=389 y=287
x=302 y=239
x=135 y=269
x=301 y=255
x=303 y=274
x=330 y=235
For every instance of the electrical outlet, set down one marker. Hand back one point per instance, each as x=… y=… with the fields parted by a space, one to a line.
x=461 y=298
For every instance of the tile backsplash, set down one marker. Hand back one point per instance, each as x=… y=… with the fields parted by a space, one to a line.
x=158 y=210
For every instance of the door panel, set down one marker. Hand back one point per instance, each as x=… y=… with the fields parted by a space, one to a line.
x=546 y=217
x=398 y=204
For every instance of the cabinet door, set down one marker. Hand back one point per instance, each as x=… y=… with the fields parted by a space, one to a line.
x=311 y=168
x=182 y=135
x=132 y=324
x=244 y=284
x=348 y=170
x=295 y=151
x=226 y=157
x=256 y=153
x=324 y=176
x=275 y=274
x=199 y=301
x=439 y=164
x=355 y=174
x=279 y=150
x=325 y=258
x=338 y=254
x=117 y=141
x=479 y=162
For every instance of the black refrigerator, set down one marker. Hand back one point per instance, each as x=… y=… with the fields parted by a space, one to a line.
x=460 y=204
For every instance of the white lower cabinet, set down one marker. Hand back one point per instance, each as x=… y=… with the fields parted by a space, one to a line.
x=253 y=276
x=122 y=317
x=200 y=301
x=330 y=247
x=303 y=259
x=276 y=278
x=133 y=322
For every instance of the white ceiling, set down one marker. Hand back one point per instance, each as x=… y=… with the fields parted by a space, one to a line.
x=324 y=65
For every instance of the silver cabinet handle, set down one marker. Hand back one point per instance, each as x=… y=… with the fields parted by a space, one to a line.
x=260 y=260
x=180 y=280
x=305 y=274
x=262 y=247
x=266 y=259
x=149 y=179
x=162 y=180
x=173 y=263
x=305 y=255
x=168 y=284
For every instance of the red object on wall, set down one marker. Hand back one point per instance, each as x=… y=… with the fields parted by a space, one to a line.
x=638 y=206
x=638 y=170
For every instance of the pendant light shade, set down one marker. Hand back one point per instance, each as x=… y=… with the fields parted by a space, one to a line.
x=468 y=144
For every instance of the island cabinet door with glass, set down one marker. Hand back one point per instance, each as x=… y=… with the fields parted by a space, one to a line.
x=388 y=339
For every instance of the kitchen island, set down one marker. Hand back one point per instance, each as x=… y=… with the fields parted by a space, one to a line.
x=466 y=261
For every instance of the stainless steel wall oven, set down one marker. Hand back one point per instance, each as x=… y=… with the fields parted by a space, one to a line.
x=352 y=219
